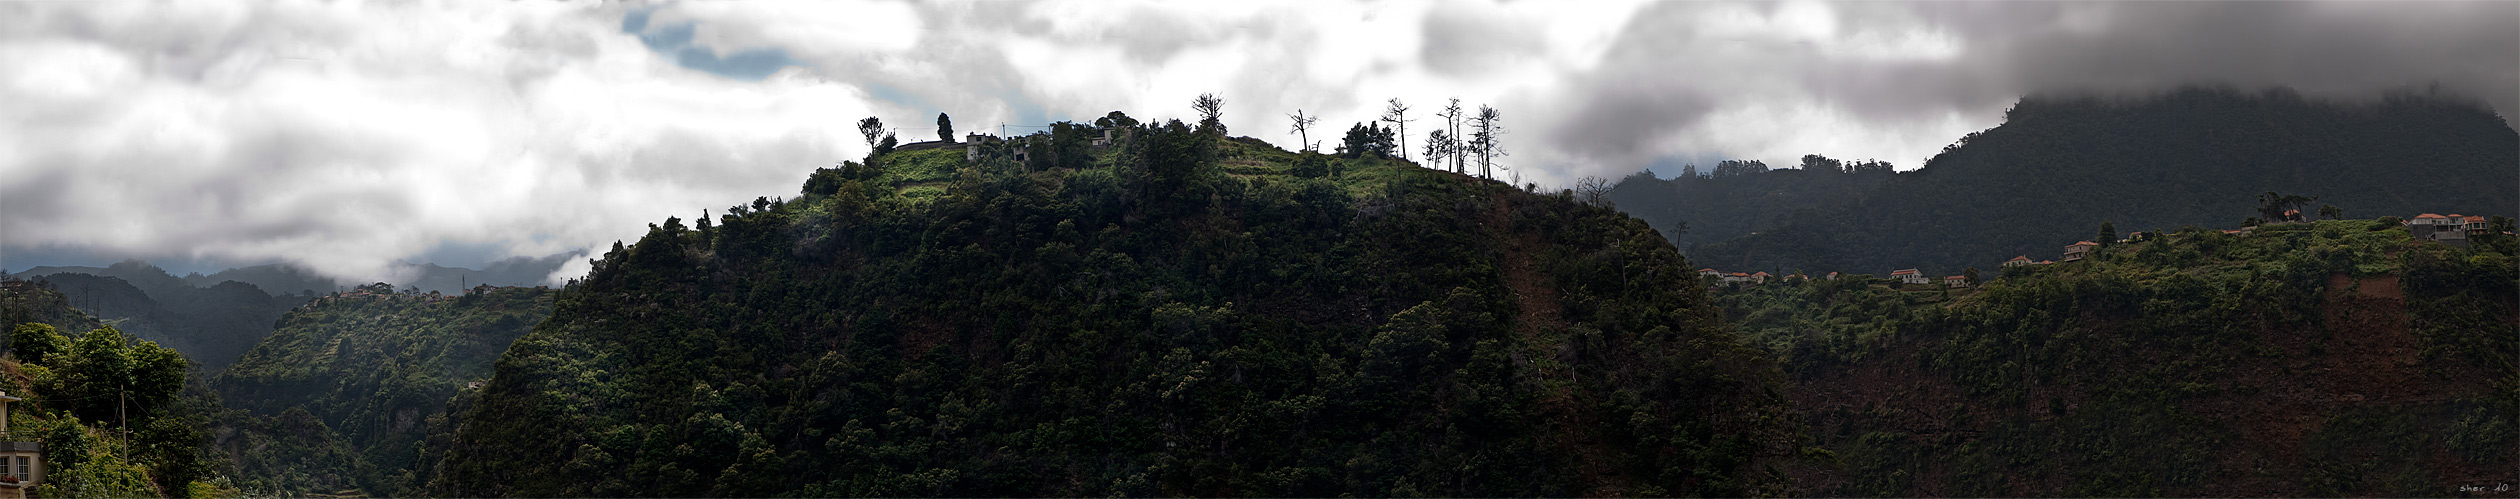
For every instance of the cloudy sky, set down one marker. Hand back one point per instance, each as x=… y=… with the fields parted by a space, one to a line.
x=348 y=136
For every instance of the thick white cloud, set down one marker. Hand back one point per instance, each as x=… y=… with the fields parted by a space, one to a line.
x=348 y=135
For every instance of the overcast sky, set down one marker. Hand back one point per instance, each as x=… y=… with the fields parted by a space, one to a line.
x=348 y=136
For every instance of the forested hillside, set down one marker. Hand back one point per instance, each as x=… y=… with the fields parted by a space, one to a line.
x=1180 y=315
x=2060 y=166
x=2339 y=358
x=1741 y=197
x=341 y=396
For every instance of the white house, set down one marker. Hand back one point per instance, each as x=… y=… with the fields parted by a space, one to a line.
x=1957 y=281
x=2018 y=261
x=1909 y=276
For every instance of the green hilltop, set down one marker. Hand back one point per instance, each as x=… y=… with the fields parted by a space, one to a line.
x=1181 y=314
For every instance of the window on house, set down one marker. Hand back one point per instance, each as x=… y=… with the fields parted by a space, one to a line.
x=23 y=471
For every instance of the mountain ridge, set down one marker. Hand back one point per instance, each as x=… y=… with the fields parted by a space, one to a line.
x=2060 y=166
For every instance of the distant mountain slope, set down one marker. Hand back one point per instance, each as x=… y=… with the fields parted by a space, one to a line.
x=2340 y=358
x=210 y=325
x=373 y=370
x=278 y=278
x=1718 y=209
x=214 y=319
x=1182 y=316
x=2058 y=167
x=142 y=276
x=282 y=279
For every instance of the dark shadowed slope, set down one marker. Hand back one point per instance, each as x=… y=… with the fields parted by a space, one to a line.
x=2059 y=167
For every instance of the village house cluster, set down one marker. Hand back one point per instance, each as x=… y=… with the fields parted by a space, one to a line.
x=433 y=296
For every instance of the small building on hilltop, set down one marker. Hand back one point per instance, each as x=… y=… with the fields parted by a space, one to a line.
x=1736 y=277
x=2079 y=250
x=1709 y=272
x=1759 y=278
x=2435 y=227
x=1909 y=276
x=1957 y=281
x=2018 y=261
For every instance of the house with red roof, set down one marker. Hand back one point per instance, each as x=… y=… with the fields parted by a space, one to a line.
x=2079 y=250
x=1957 y=281
x=1759 y=278
x=2018 y=261
x=1909 y=276
x=2435 y=227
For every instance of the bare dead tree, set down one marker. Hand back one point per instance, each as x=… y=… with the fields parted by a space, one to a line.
x=1303 y=127
x=1452 y=122
x=1398 y=115
x=1592 y=190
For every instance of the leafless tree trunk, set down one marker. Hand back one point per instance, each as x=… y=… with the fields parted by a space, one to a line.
x=1303 y=128
x=1452 y=121
x=1592 y=190
x=1398 y=116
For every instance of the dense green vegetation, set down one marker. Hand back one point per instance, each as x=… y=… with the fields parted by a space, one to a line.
x=2329 y=358
x=341 y=395
x=1183 y=314
x=2060 y=166
x=111 y=412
